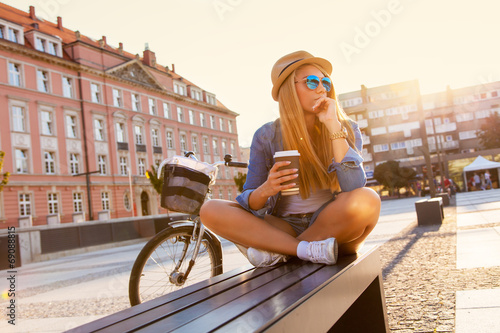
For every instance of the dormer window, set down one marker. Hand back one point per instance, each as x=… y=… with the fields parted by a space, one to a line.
x=196 y=94
x=180 y=89
x=11 y=31
x=45 y=43
x=211 y=99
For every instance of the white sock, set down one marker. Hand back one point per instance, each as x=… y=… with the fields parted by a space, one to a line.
x=302 y=250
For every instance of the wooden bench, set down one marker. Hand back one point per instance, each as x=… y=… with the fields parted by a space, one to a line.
x=296 y=296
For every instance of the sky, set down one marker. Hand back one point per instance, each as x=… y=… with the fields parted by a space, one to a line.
x=228 y=47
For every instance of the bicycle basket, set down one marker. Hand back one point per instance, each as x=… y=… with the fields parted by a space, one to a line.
x=185 y=184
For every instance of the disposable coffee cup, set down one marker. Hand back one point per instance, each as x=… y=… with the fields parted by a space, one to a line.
x=292 y=156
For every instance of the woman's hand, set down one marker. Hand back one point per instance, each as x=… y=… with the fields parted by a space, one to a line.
x=276 y=177
x=326 y=109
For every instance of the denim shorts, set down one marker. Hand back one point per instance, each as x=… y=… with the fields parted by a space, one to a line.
x=301 y=223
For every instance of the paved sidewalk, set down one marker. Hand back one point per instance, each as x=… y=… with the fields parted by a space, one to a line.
x=446 y=278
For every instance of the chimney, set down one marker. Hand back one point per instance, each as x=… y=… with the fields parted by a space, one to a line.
x=149 y=57
x=364 y=93
x=59 y=23
x=32 y=13
x=120 y=47
x=173 y=68
x=104 y=40
x=77 y=35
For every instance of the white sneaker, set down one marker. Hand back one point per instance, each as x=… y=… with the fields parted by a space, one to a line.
x=323 y=252
x=261 y=258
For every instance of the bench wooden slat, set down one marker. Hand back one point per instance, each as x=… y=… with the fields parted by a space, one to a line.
x=242 y=299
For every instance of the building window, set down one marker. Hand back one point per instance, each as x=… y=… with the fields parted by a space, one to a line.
x=71 y=126
x=47 y=123
x=53 y=203
x=203 y=122
x=191 y=117
x=24 y=204
x=117 y=98
x=95 y=91
x=15 y=74
x=21 y=161
x=67 y=87
x=99 y=129
x=170 y=140
x=50 y=163
x=18 y=119
x=155 y=137
x=141 y=164
x=179 y=89
x=166 y=110
x=42 y=80
x=212 y=122
x=101 y=164
x=180 y=115
x=182 y=139
x=229 y=194
x=13 y=35
x=194 y=143
x=40 y=44
x=230 y=126
x=136 y=103
x=126 y=202
x=152 y=106
x=211 y=99
x=221 y=124
x=77 y=202
x=52 y=48
x=105 y=200
x=120 y=132
x=215 y=146
x=123 y=166
x=205 y=146
x=74 y=163
x=138 y=134
x=233 y=152
x=224 y=147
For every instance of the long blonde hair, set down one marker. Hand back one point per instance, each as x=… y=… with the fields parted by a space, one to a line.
x=316 y=151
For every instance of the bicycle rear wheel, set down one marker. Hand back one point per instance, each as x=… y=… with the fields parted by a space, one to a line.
x=154 y=273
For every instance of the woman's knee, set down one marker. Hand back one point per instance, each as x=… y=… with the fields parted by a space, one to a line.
x=362 y=203
x=210 y=210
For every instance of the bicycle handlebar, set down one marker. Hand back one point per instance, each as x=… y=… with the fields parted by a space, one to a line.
x=237 y=164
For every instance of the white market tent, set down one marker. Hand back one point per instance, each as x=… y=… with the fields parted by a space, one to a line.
x=480 y=163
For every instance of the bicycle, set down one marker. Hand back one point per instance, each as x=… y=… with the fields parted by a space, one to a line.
x=185 y=252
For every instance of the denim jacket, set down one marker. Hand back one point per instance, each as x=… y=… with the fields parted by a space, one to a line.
x=267 y=140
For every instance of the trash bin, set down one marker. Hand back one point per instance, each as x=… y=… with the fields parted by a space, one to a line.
x=429 y=211
x=446 y=198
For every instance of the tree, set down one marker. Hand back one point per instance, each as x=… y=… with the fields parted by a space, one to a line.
x=488 y=134
x=152 y=175
x=393 y=177
x=240 y=180
x=5 y=176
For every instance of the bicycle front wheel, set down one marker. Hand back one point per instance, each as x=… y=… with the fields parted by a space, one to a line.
x=154 y=272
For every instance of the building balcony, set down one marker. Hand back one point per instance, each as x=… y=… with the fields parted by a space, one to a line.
x=451 y=127
x=157 y=150
x=367 y=157
x=140 y=148
x=448 y=145
x=363 y=123
x=122 y=145
x=366 y=140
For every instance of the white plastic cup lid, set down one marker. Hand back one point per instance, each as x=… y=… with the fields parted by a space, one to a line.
x=285 y=153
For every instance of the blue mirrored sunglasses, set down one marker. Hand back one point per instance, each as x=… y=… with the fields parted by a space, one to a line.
x=312 y=82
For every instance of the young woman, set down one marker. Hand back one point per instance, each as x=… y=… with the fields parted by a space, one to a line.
x=333 y=211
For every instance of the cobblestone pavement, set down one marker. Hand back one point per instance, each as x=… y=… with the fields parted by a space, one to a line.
x=421 y=278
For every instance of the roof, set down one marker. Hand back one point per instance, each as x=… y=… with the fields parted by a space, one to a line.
x=69 y=36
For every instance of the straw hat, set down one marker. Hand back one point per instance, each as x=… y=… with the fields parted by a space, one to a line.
x=287 y=64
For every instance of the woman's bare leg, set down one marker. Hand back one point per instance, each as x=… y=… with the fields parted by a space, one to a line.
x=229 y=220
x=350 y=219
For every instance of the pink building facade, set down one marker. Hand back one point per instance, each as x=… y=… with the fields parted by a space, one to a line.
x=71 y=105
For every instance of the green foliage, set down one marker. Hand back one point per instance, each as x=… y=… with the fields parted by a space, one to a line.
x=5 y=176
x=488 y=134
x=393 y=177
x=240 y=180
x=153 y=178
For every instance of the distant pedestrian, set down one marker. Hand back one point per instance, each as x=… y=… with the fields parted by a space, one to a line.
x=487 y=180
x=477 y=182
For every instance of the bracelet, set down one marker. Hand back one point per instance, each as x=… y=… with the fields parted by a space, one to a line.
x=338 y=135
